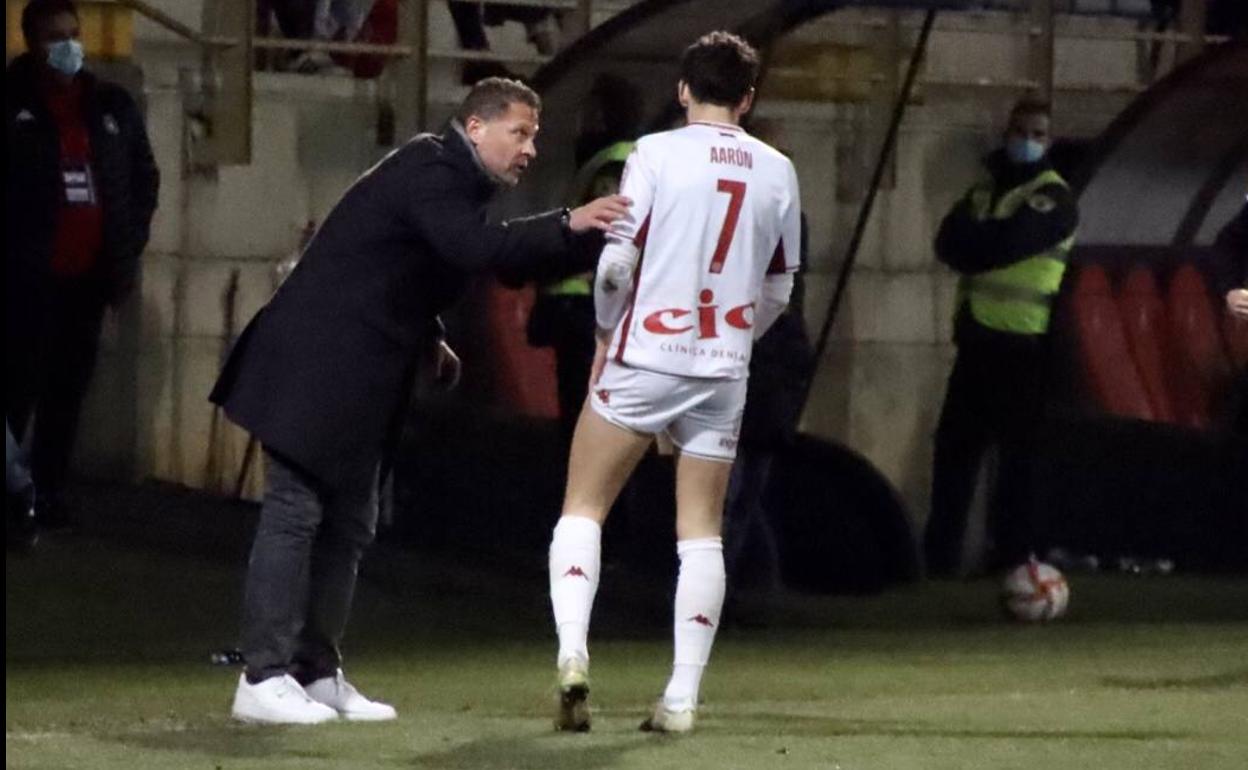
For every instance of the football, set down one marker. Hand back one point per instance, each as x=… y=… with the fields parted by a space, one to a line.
x=1035 y=592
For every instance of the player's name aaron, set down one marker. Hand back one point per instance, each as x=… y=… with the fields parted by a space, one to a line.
x=732 y=156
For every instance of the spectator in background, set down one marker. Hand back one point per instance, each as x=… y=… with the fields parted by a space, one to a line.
x=563 y=311
x=81 y=190
x=610 y=113
x=780 y=369
x=340 y=19
x=781 y=365
x=544 y=27
x=1232 y=286
x=1233 y=279
x=1008 y=239
x=295 y=18
x=336 y=21
x=19 y=487
x=350 y=21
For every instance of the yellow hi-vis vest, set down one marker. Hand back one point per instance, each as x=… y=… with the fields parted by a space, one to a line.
x=582 y=285
x=1018 y=298
x=576 y=286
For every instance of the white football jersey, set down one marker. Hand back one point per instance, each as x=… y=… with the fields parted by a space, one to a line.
x=714 y=211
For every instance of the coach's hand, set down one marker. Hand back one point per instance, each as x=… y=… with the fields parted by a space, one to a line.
x=449 y=368
x=598 y=214
x=1237 y=303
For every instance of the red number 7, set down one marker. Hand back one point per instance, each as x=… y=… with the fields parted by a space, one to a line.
x=736 y=191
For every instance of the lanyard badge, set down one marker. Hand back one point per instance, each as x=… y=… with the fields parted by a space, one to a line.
x=79 y=187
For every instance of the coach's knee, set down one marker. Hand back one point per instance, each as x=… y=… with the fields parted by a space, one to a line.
x=290 y=520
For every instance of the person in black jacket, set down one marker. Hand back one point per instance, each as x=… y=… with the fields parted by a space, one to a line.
x=1008 y=238
x=1231 y=281
x=322 y=374
x=781 y=365
x=20 y=532
x=80 y=192
x=1232 y=278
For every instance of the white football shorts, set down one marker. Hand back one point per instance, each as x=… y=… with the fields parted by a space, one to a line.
x=701 y=416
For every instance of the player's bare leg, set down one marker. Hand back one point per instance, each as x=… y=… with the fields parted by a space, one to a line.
x=602 y=458
x=701 y=485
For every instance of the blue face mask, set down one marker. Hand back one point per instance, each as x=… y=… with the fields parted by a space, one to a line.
x=65 y=56
x=1024 y=150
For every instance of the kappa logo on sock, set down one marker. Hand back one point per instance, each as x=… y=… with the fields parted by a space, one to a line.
x=604 y=395
x=575 y=571
x=702 y=620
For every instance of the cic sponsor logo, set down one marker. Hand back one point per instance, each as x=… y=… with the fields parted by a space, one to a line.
x=672 y=320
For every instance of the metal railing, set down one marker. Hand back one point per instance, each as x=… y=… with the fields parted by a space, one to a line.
x=228 y=60
x=225 y=87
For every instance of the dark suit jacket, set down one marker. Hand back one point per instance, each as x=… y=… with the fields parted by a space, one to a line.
x=323 y=372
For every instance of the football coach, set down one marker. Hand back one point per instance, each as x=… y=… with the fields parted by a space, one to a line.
x=321 y=377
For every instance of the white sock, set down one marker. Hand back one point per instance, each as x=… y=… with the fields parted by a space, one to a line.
x=699 y=599
x=575 y=558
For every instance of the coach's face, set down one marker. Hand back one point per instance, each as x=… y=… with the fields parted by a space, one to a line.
x=505 y=143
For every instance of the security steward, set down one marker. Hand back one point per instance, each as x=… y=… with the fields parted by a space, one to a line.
x=1008 y=238
x=563 y=311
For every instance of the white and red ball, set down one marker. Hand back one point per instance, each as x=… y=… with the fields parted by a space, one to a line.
x=1035 y=592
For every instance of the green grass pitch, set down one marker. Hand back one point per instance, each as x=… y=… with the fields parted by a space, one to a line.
x=106 y=652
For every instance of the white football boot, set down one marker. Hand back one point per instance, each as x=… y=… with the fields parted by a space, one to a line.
x=573 y=713
x=669 y=720
x=341 y=696
x=278 y=700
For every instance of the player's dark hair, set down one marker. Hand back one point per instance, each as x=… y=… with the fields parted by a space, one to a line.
x=1030 y=105
x=720 y=68
x=491 y=97
x=36 y=11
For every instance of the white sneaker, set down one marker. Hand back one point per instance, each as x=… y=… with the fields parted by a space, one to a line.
x=573 y=713
x=667 y=720
x=278 y=700
x=341 y=696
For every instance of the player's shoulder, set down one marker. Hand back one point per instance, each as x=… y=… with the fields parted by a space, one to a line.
x=660 y=142
x=766 y=152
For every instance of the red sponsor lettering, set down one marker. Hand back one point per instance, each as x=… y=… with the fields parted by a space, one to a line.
x=654 y=323
x=663 y=321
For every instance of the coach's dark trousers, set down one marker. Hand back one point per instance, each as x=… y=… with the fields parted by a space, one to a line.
x=302 y=570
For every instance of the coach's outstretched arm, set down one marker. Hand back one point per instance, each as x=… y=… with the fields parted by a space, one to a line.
x=440 y=209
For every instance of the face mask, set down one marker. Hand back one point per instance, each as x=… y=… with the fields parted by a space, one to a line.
x=1024 y=150
x=65 y=56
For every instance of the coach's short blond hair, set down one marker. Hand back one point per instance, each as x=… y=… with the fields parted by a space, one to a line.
x=491 y=97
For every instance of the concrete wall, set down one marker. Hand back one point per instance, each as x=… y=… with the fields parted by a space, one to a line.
x=881 y=381
x=218 y=235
